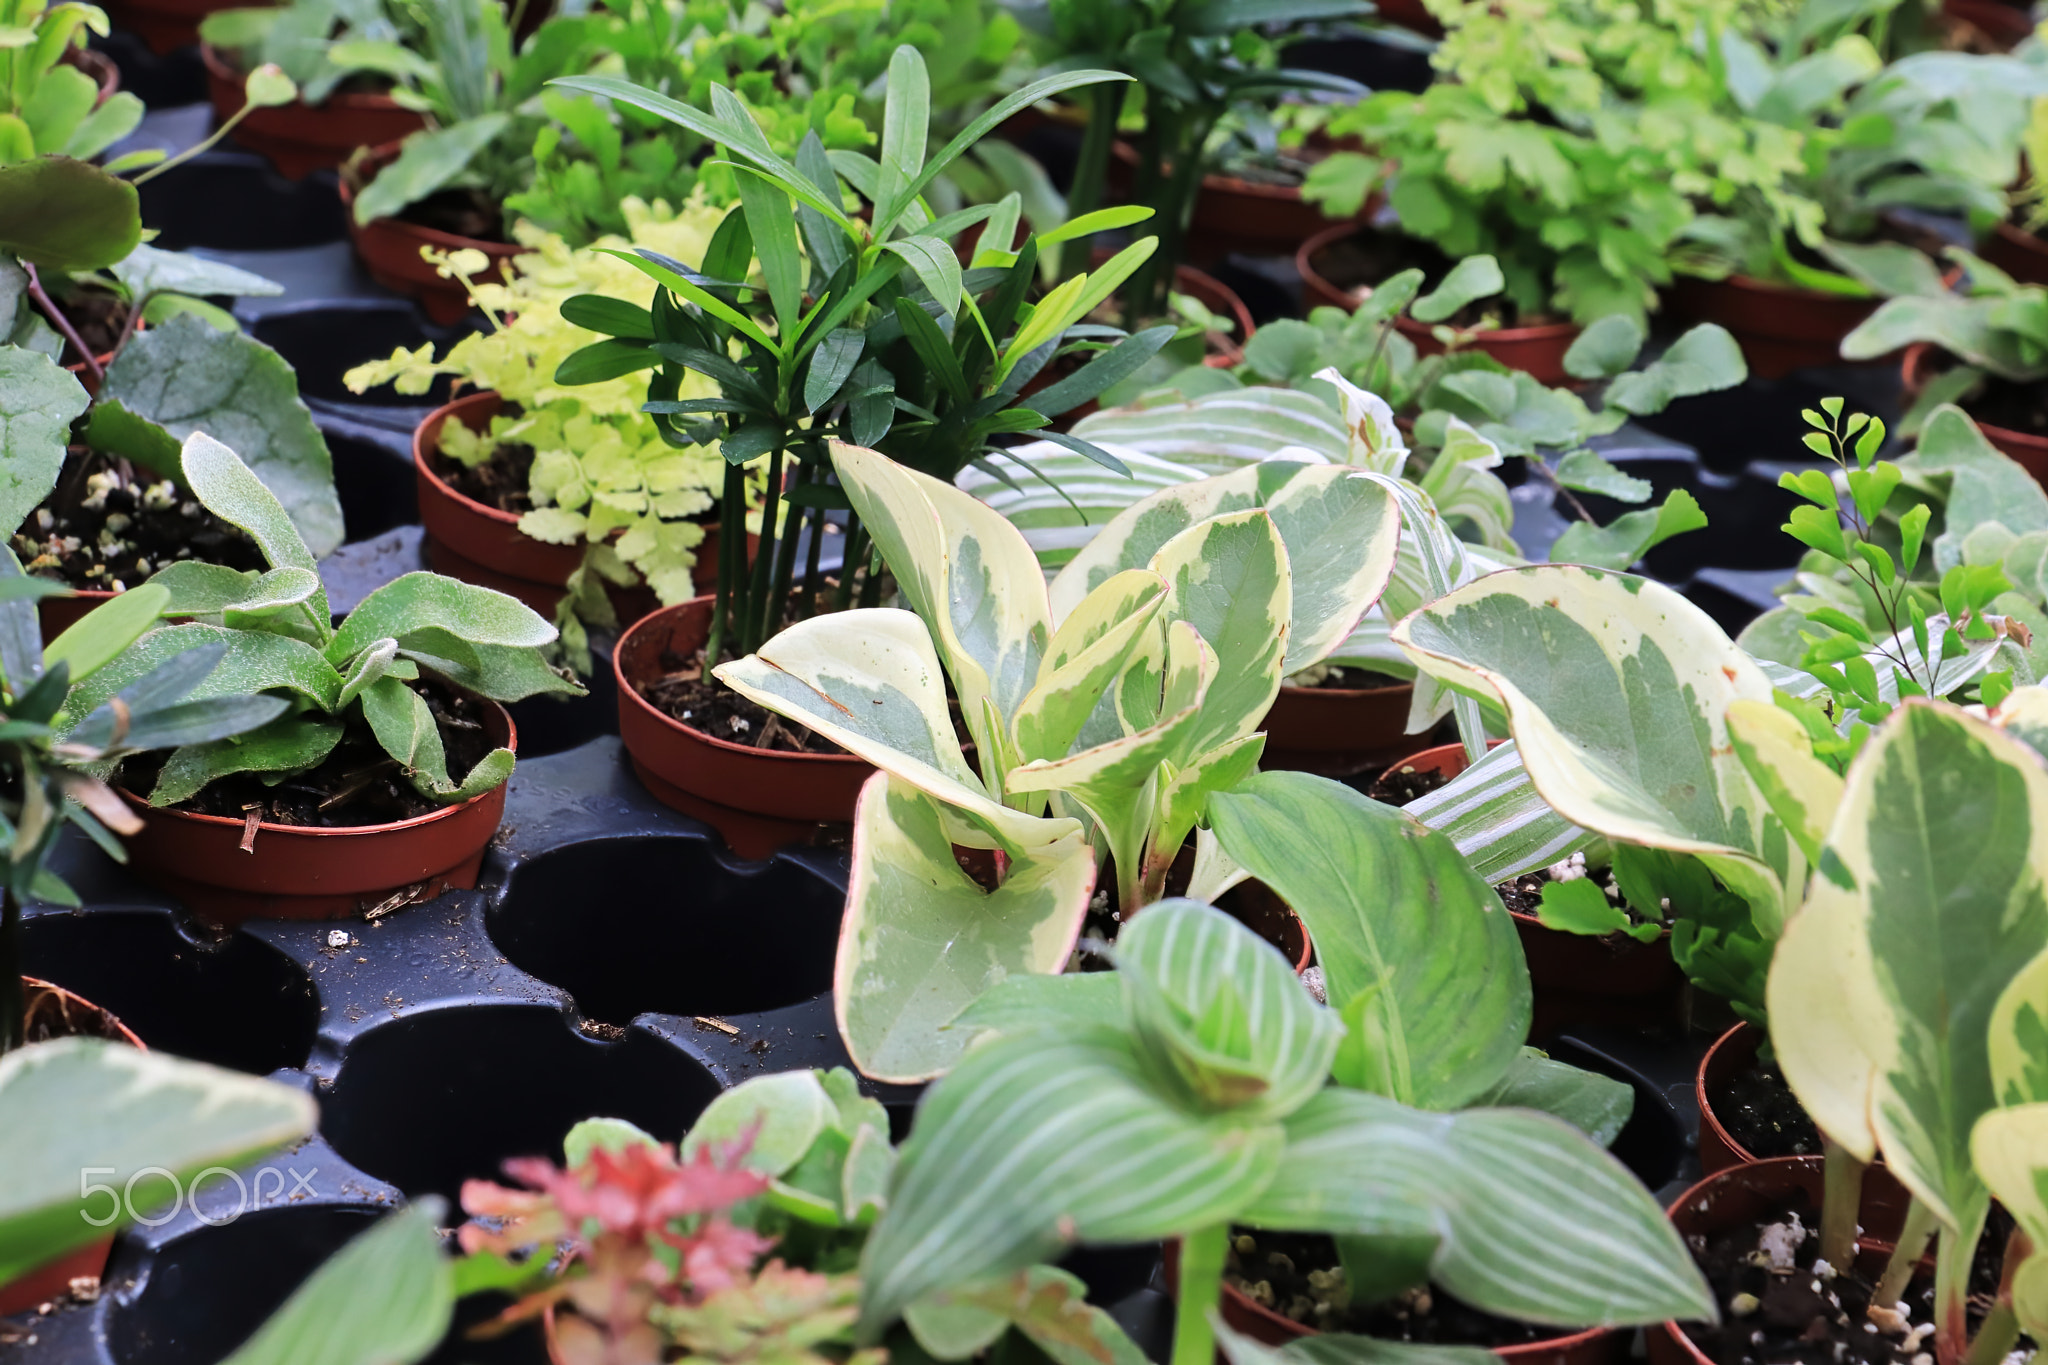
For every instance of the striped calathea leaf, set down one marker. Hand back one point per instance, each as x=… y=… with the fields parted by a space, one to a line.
x=1130 y=703
x=1907 y=994
x=1494 y=816
x=1618 y=693
x=1200 y=1098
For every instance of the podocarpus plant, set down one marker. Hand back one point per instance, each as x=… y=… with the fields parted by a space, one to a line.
x=601 y=476
x=1192 y=62
x=279 y=638
x=45 y=785
x=1997 y=328
x=1564 y=140
x=48 y=107
x=1191 y=1089
x=1130 y=691
x=897 y=348
x=1908 y=995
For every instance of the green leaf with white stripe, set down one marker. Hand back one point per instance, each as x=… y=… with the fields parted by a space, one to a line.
x=1038 y=1141
x=1532 y=1220
x=1223 y=1009
x=1497 y=820
x=869 y=681
x=1932 y=880
x=1617 y=691
x=1418 y=953
x=921 y=939
x=967 y=573
x=1222 y=431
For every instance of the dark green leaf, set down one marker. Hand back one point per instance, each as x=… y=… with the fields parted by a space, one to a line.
x=66 y=215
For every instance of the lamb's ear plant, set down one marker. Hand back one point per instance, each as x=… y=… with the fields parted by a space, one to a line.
x=1191 y=1090
x=1996 y=327
x=1129 y=693
x=896 y=349
x=277 y=636
x=1907 y=1002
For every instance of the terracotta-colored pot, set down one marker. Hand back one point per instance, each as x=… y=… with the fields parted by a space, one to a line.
x=2018 y=253
x=1578 y=979
x=300 y=138
x=1219 y=298
x=1729 y=1198
x=294 y=872
x=758 y=799
x=1409 y=14
x=164 y=24
x=390 y=248
x=97 y=65
x=58 y=614
x=1336 y=731
x=1536 y=350
x=2028 y=450
x=1245 y=215
x=49 y=1280
x=1780 y=327
x=1732 y=1052
x=483 y=545
x=2006 y=26
x=1260 y=908
x=1594 y=1346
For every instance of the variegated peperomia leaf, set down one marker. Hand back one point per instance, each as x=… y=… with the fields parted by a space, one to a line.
x=1617 y=691
x=921 y=939
x=1530 y=1219
x=1228 y=578
x=2010 y=1148
x=1927 y=902
x=1419 y=956
x=969 y=574
x=1088 y=652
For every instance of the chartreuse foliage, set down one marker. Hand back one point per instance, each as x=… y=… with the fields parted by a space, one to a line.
x=897 y=349
x=47 y=107
x=1908 y=994
x=1191 y=1090
x=277 y=637
x=1128 y=694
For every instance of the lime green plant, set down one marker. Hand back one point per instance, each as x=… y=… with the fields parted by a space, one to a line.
x=602 y=476
x=46 y=105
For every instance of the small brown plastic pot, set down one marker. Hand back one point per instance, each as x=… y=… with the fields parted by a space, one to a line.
x=75 y=1016
x=390 y=247
x=1780 y=327
x=1729 y=1198
x=58 y=614
x=483 y=545
x=2006 y=26
x=758 y=799
x=1244 y=215
x=1536 y=350
x=302 y=873
x=1248 y=1317
x=2018 y=253
x=301 y=138
x=2029 y=451
x=1732 y=1053
x=1578 y=979
x=1336 y=731
x=97 y=65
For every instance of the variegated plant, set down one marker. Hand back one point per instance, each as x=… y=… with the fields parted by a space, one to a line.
x=1191 y=1090
x=1909 y=1003
x=1125 y=698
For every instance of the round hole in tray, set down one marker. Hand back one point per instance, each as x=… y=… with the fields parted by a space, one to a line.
x=239 y=1003
x=659 y=923
x=236 y=201
x=430 y=1100
x=209 y=1290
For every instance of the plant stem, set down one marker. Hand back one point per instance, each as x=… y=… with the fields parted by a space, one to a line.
x=1952 y=1258
x=764 y=612
x=1091 y=171
x=732 y=559
x=785 y=562
x=1842 y=1192
x=1898 y=1271
x=810 y=600
x=212 y=140
x=1996 y=1335
x=62 y=323
x=13 y=1000
x=856 y=549
x=1202 y=1253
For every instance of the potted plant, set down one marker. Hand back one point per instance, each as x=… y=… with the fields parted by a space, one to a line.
x=1985 y=348
x=1191 y=65
x=1926 y=1059
x=383 y=782
x=2015 y=244
x=1130 y=689
x=893 y=285
x=339 y=108
x=558 y=491
x=1252 y=1112
x=1792 y=268
x=53 y=105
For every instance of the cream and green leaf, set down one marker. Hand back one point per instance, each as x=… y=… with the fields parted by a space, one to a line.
x=1126 y=695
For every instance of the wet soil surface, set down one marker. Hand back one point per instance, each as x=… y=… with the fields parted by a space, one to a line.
x=1297 y=1276
x=1759 y=1111
x=500 y=481
x=706 y=705
x=462 y=212
x=108 y=530
x=1405 y=784
x=58 y=1014
x=357 y=784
